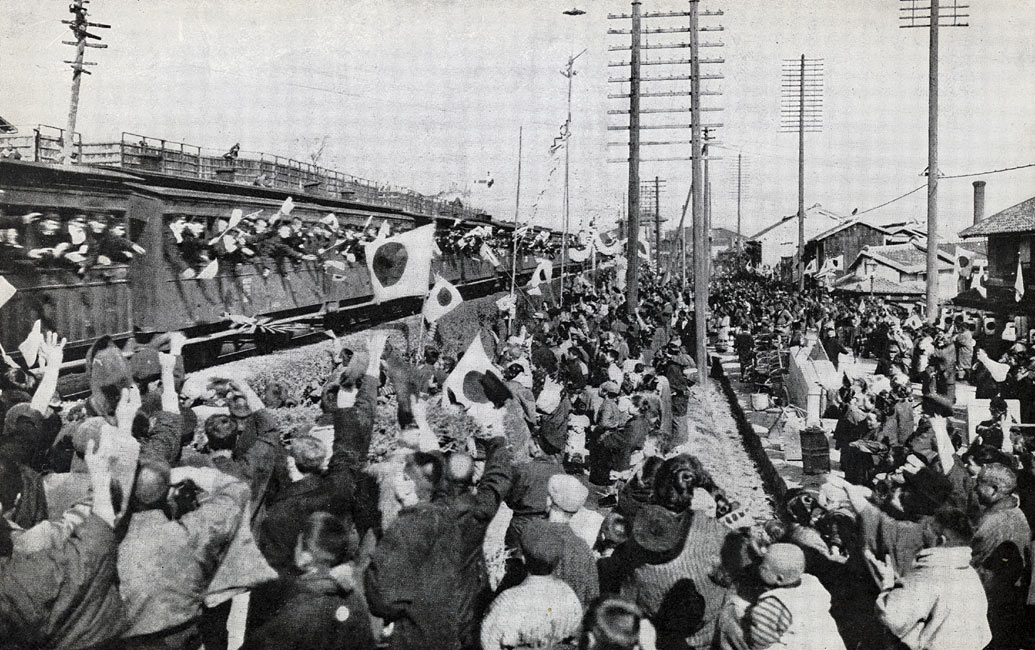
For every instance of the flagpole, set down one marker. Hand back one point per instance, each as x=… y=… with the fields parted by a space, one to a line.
x=514 y=236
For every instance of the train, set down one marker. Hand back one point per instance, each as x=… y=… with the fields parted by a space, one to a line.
x=144 y=185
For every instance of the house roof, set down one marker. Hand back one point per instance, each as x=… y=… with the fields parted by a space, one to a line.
x=1015 y=219
x=907 y=258
x=726 y=233
x=845 y=225
x=7 y=127
x=853 y=284
x=816 y=210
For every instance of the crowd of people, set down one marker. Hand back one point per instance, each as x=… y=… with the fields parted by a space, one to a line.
x=78 y=242
x=140 y=519
x=82 y=241
x=931 y=522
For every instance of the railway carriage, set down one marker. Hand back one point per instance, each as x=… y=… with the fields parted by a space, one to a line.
x=144 y=185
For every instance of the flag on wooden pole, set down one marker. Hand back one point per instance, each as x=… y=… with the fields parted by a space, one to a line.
x=443 y=298
x=400 y=265
x=1018 y=284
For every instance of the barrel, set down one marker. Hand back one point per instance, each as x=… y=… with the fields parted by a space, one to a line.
x=815 y=451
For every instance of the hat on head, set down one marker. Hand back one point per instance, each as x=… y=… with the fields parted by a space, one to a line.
x=19 y=411
x=108 y=372
x=145 y=364
x=566 y=492
x=609 y=387
x=542 y=545
x=659 y=530
x=782 y=565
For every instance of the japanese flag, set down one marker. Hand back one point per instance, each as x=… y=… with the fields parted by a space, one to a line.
x=1018 y=284
x=976 y=284
x=490 y=256
x=578 y=254
x=543 y=273
x=443 y=298
x=400 y=266
x=464 y=384
x=7 y=291
x=235 y=218
x=30 y=347
x=209 y=271
x=644 y=249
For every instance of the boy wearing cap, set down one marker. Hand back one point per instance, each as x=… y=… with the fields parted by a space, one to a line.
x=795 y=611
x=542 y=611
x=576 y=565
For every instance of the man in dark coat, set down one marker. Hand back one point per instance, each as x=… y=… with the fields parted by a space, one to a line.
x=64 y=596
x=427 y=576
x=316 y=483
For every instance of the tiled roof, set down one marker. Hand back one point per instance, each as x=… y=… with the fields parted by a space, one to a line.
x=908 y=258
x=1016 y=219
x=853 y=284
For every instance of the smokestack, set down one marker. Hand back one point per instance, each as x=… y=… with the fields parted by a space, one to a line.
x=979 y=201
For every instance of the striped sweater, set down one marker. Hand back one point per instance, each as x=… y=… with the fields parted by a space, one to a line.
x=663 y=589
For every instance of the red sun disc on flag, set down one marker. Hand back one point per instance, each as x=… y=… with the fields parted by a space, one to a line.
x=390 y=263
x=444 y=297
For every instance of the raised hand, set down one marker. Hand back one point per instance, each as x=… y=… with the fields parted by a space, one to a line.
x=176 y=342
x=52 y=350
x=126 y=410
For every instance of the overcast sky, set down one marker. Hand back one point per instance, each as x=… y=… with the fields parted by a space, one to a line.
x=432 y=94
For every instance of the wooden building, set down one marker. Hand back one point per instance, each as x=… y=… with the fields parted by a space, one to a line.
x=1010 y=237
x=845 y=241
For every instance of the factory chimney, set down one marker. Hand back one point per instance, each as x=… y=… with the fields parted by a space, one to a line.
x=979 y=201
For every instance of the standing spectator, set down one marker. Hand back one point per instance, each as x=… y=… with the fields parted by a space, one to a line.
x=321 y=608
x=1001 y=553
x=576 y=565
x=64 y=596
x=181 y=525
x=964 y=342
x=542 y=611
x=795 y=611
x=940 y=603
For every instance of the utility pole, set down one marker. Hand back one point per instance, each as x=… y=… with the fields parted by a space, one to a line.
x=632 y=254
x=79 y=27
x=568 y=72
x=657 y=223
x=706 y=137
x=635 y=94
x=740 y=160
x=802 y=111
x=697 y=187
x=914 y=17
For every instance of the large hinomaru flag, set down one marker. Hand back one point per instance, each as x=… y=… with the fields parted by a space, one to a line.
x=399 y=266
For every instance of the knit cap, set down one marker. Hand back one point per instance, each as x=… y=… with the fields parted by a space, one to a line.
x=782 y=565
x=566 y=492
